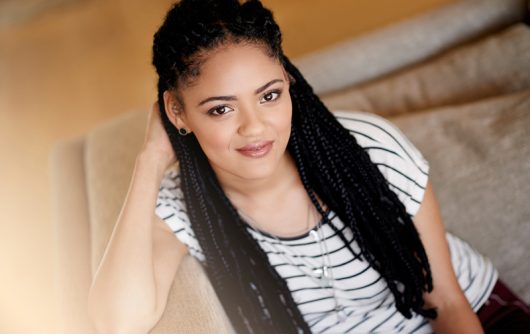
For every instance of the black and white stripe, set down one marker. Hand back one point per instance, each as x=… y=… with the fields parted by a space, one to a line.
x=359 y=288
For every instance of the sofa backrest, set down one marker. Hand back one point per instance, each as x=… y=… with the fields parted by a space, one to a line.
x=412 y=40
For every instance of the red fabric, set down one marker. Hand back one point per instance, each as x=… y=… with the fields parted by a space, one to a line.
x=504 y=312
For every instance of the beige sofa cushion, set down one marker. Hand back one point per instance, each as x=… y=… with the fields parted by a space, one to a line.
x=496 y=65
x=480 y=169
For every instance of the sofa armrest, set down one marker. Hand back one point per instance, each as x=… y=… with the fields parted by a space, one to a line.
x=193 y=305
x=492 y=66
x=110 y=155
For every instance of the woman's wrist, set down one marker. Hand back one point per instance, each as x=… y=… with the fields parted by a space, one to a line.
x=148 y=158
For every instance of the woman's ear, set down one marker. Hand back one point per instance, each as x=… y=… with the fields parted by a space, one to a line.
x=174 y=110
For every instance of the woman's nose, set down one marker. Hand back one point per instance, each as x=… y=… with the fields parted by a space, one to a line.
x=251 y=124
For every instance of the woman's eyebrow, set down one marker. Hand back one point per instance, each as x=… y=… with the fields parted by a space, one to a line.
x=232 y=98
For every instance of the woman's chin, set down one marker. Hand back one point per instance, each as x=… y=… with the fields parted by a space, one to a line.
x=256 y=173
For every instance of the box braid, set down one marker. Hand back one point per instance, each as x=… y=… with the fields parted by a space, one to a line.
x=329 y=160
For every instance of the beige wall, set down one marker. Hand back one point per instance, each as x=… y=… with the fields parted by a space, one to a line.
x=77 y=65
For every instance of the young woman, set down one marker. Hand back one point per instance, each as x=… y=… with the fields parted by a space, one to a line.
x=306 y=221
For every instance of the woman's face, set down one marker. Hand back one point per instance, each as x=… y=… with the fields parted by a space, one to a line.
x=239 y=109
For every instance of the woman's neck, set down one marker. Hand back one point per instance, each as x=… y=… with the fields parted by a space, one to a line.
x=243 y=191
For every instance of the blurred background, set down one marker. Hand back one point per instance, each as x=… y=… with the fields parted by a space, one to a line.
x=68 y=65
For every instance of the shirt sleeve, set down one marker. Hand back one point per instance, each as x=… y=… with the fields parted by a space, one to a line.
x=396 y=157
x=171 y=208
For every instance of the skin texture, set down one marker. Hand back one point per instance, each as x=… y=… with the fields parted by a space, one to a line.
x=257 y=186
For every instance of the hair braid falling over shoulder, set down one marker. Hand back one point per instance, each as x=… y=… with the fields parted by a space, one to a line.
x=343 y=175
x=330 y=163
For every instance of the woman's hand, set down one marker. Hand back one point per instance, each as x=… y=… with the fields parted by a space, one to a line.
x=156 y=142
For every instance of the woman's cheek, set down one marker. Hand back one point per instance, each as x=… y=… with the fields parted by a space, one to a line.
x=286 y=121
x=213 y=141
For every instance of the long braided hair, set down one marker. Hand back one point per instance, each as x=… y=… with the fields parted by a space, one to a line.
x=329 y=160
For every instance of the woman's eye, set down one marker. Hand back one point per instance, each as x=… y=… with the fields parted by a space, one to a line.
x=218 y=111
x=272 y=95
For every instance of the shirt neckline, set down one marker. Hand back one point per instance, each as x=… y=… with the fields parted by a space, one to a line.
x=296 y=237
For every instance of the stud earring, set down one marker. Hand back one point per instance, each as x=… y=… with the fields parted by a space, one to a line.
x=183 y=131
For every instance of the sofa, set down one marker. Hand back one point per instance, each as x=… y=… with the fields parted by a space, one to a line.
x=455 y=80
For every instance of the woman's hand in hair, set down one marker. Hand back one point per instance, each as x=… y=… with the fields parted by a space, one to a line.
x=156 y=142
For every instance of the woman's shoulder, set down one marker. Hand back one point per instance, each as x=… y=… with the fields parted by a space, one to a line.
x=370 y=125
x=396 y=157
x=380 y=136
x=369 y=128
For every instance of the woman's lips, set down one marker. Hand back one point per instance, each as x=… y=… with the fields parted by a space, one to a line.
x=257 y=150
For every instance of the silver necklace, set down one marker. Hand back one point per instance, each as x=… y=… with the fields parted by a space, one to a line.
x=325 y=272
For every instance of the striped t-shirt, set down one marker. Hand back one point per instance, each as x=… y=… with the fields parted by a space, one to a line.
x=367 y=300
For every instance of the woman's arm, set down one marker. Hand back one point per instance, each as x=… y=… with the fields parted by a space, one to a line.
x=130 y=287
x=455 y=315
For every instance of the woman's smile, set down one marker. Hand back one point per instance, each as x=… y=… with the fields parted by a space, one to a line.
x=256 y=150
